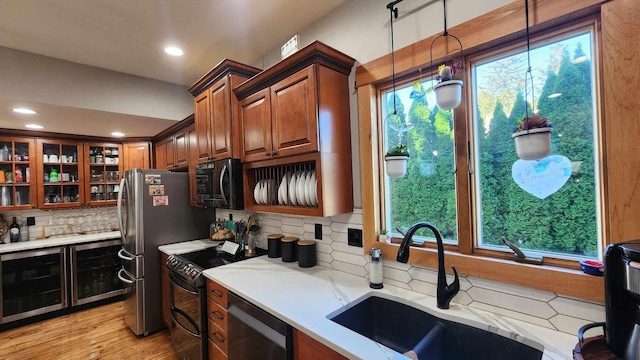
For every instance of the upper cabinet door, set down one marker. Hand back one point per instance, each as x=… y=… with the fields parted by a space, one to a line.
x=61 y=173
x=294 y=114
x=202 y=114
x=18 y=173
x=255 y=123
x=181 y=149
x=221 y=119
x=170 y=153
x=136 y=156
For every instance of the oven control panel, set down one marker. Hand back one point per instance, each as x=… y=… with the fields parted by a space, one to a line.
x=182 y=267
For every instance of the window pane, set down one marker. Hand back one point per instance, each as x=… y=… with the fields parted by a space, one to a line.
x=427 y=191
x=548 y=205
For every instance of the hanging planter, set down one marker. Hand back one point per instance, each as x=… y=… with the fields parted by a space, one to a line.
x=448 y=94
x=396 y=161
x=533 y=138
x=449 y=87
x=533 y=134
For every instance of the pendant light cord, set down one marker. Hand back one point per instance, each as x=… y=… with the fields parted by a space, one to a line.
x=528 y=74
x=393 y=11
x=444 y=3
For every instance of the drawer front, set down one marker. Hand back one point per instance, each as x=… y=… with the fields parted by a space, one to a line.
x=217 y=293
x=217 y=313
x=218 y=336
x=215 y=353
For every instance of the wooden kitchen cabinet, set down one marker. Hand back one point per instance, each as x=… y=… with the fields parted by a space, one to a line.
x=193 y=160
x=102 y=171
x=18 y=173
x=282 y=120
x=216 y=110
x=217 y=304
x=172 y=152
x=307 y=348
x=166 y=298
x=294 y=120
x=136 y=155
x=61 y=182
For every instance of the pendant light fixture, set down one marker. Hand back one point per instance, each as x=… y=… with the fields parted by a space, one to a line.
x=449 y=87
x=397 y=154
x=533 y=135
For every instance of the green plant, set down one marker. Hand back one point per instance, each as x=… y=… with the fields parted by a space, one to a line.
x=449 y=72
x=532 y=122
x=383 y=232
x=398 y=150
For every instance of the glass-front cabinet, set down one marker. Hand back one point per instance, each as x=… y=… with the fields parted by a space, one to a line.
x=60 y=176
x=103 y=171
x=17 y=172
x=33 y=283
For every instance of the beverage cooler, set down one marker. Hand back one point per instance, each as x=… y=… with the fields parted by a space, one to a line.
x=42 y=281
x=94 y=272
x=33 y=283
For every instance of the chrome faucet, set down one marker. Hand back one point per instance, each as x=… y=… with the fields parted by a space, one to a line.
x=445 y=292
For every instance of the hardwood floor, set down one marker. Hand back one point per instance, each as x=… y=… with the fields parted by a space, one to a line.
x=97 y=333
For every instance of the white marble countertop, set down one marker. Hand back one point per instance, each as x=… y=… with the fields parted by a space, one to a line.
x=304 y=297
x=60 y=241
x=187 y=246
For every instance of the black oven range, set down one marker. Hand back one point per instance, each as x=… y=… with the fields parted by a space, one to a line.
x=189 y=299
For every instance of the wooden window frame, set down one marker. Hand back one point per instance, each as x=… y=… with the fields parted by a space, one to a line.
x=502 y=26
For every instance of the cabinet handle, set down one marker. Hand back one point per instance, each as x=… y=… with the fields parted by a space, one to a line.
x=217 y=338
x=273 y=153
x=267 y=154
x=218 y=315
x=216 y=293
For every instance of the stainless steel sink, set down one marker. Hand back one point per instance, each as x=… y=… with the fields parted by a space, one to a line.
x=402 y=328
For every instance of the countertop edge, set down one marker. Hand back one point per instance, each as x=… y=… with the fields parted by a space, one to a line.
x=62 y=241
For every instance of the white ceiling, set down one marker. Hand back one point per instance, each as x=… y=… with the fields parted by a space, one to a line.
x=129 y=36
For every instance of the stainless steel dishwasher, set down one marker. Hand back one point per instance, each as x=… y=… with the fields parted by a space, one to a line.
x=255 y=334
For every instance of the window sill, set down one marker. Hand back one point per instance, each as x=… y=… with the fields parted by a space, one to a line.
x=542 y=277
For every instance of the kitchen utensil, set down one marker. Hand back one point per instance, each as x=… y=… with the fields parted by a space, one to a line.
x=45 y=158
x=53 y=158
x=5 y=196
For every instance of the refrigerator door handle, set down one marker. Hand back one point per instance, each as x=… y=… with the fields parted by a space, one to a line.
x=126 y=281
x=222 y=173
x=122 y=256
x=123 y=233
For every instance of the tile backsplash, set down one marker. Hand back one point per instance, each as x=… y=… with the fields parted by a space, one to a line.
x=538 y=307
x=51 y=223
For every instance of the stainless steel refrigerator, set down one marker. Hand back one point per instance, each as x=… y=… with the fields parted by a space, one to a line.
x=153 y=210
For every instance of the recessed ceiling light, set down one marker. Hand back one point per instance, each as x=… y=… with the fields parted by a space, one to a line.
x=117 y=134
x=34 y=126
x=173 y=51
x=24 y=111
x=554 y=95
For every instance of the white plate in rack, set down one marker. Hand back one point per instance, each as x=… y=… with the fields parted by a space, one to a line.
x=282 y=192
x=313 y=190
x=265 y=193
x=307 y=188
x=301 y=190
x=292 y=190
x=256 y=193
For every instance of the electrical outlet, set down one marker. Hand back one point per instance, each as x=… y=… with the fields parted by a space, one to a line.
x=31 y=220
x=354 y=237
x=318 y=232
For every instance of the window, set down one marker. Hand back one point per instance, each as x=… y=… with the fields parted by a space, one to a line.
x=427 y=192
x=548 y=206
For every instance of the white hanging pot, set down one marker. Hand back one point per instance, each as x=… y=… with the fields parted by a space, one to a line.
x=396 y=165
x=533 y=144
x=448 y=94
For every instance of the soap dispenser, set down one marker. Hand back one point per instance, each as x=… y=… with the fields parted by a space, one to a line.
x=375 y=269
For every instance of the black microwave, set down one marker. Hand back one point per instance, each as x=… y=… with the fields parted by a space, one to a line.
x=219 y=184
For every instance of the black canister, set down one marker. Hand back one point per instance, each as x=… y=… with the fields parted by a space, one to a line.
x=275 y=251
x=289 y=248
x=306 y=253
